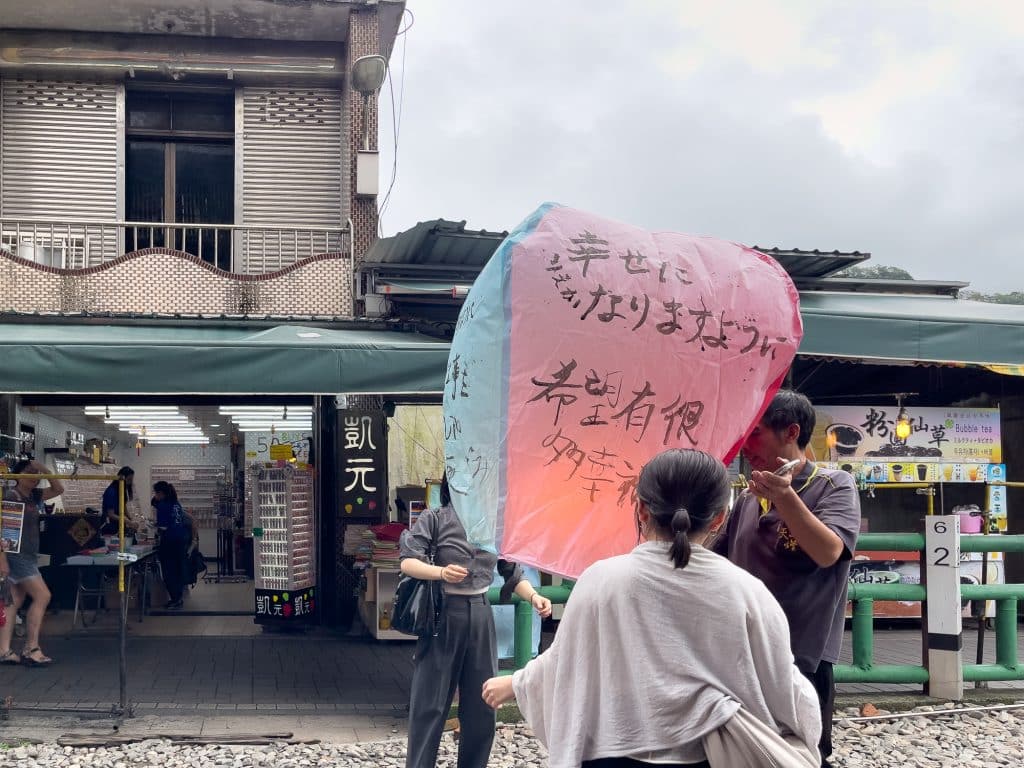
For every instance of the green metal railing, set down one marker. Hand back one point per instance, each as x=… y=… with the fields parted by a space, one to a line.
x=1006 y=596
x=522 y=638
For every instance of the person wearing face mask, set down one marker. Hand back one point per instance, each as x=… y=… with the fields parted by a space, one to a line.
x=22 y=569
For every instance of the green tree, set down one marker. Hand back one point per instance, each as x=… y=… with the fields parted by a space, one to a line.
x=876 y=272
x=1014 y=297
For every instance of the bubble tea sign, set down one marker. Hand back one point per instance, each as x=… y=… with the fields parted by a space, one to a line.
x=585 y=347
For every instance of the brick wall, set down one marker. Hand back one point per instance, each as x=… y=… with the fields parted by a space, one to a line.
x=160 y=280
x=364 y=40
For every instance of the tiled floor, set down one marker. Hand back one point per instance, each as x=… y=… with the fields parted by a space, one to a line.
x=228 y=663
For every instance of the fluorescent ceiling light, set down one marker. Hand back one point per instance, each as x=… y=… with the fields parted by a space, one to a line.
x=276 y=429
x=130 y=408
x=275 y=424
x=215 y=425
x=179 y=441
x=264 y=408
x=165 y=432
x=160 y=422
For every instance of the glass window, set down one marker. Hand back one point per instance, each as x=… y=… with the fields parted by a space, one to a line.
x=149 y=112
x=193 y=113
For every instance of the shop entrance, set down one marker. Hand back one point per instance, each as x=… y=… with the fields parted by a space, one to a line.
x=217 y=455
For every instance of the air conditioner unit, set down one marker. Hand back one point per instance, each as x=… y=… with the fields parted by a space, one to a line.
x=377 y=305
x=59 y=251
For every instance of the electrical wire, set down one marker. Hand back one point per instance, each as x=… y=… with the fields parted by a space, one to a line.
x=396 y=118
x=417 y=443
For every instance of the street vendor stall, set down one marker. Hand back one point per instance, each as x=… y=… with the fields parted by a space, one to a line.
x=915 y=461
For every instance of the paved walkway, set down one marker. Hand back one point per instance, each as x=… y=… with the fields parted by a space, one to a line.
x=313 y=674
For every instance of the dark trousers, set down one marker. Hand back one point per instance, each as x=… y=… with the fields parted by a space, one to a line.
x=462 y=656
x=172 y=565
x=825 y=687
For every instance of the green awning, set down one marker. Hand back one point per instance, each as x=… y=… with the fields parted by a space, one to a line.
x=921 y=329
x=151 y=359
x=293 y=359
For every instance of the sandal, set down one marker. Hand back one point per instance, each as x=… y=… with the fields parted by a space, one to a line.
x=10 y=657
x=27 y=660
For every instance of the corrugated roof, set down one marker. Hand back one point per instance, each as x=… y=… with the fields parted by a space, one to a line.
x=813 y=264
x=871 y=285
x=437 y=245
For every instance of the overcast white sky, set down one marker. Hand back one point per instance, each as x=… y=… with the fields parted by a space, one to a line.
x=890 y=127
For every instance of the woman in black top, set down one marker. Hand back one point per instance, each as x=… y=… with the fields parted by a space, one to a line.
x=464 y=653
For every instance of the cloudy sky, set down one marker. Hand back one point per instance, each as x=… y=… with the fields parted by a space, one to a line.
x=890 y=127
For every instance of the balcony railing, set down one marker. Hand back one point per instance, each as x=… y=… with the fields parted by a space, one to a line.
x=232 y=247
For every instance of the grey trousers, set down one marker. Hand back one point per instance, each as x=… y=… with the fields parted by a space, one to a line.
x=462 y=656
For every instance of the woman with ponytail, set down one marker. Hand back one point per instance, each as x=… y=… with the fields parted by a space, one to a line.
x=665 y=653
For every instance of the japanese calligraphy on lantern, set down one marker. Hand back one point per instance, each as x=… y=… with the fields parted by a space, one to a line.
x=585 y=347
x=868 y=432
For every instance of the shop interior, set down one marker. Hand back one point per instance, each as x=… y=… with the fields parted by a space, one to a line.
x=214 y=451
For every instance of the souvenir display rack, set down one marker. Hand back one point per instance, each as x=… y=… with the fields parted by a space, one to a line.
x=283 y=517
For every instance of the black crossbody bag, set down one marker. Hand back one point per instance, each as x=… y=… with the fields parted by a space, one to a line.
x=417 y=606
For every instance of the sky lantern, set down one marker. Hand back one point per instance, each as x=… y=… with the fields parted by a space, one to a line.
x=585 y=347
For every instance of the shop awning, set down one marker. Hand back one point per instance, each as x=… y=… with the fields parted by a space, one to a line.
x=920 y=329
x=165 y=359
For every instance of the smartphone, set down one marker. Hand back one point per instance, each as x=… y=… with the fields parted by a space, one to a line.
x=787 y=468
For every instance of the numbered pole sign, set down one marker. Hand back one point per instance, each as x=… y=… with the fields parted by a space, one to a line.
x=942 y=579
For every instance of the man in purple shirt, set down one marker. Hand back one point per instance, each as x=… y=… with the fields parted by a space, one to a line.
x=797 y=533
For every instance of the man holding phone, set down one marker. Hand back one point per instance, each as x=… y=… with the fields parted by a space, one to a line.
x=795 y=528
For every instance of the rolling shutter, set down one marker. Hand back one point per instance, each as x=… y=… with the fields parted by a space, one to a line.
x=59 y=162
x=290 y=151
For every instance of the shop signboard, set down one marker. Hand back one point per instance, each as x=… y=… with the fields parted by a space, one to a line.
x=12 y=522
x=285 y=606
x=362 y=458
x=954 y=438
x=270 y=446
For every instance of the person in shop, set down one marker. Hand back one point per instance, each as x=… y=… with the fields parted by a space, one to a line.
x=662 y=650
x=175 y=537
x=797 y=533
x=464 y=653
x=21 y=569
x=111 y=505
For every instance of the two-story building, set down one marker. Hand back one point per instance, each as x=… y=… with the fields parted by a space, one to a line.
x=186 y=190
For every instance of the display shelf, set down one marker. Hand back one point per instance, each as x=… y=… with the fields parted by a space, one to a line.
x=199 y=489
x=283 y=510
x=79 y=494
x=377 y=600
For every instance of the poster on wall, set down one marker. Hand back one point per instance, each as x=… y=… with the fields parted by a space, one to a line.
x=12 y=522
x=264 y=446
x=936 y=435
x=362 y=457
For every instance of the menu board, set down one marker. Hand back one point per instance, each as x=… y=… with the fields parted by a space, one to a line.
x=947 y=436
x=12 y=522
